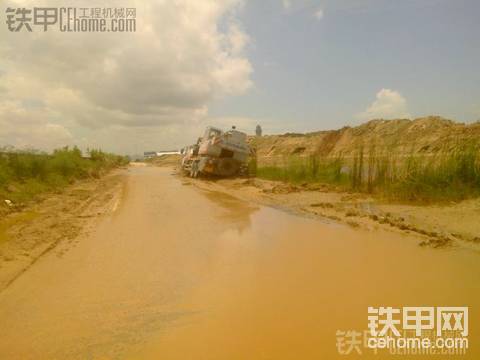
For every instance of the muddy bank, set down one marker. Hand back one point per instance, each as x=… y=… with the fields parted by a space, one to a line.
x=34 y=230
x=454 y=224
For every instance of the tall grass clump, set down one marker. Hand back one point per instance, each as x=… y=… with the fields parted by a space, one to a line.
x=309 y=169
x=441 y=176
x=452 y=175
x=23 y=174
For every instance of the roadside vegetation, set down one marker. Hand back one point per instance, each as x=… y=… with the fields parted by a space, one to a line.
x=445 y=176
x=25 y=174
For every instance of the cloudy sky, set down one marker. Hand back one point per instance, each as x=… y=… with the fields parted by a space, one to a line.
x=289 y=65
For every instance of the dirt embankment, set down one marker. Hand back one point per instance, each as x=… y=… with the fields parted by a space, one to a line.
x=28 y=233
x=436 y=226
x=400 y=137
x=165 y=160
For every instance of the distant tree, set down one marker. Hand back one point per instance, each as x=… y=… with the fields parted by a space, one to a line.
x=258 y=130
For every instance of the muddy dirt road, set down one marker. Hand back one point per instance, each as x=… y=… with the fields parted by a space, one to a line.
x=176 y=272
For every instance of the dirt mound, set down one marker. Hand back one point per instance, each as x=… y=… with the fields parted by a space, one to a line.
x=402 y=136
x=165 y=160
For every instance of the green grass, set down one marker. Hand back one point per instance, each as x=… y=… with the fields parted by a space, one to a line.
x=25 y=174
x=301 y=170
x=445 y=176
x=442 y=177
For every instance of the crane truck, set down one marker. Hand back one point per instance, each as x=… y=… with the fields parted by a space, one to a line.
x=217 y=152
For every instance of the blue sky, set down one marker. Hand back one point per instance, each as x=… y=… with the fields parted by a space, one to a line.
x=318 y=73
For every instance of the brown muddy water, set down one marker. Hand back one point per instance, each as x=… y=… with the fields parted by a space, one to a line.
x=179 y=273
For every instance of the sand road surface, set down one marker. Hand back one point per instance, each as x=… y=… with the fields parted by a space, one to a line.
x=176 y=272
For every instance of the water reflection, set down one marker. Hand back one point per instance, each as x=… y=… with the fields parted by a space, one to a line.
x=233 y=211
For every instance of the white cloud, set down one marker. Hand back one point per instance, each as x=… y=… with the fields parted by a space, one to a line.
x=163 y=76
x=237 y=39
x=30 y=128
x=286 y=4
x=318 y=14
x=389 y=104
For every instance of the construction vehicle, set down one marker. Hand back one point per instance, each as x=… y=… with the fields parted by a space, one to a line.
x=217 y=153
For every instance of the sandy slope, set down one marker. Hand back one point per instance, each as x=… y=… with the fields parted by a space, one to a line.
x=399 y=137
x=27 y=235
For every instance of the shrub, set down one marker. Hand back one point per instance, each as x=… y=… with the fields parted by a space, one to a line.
x=32 y=172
